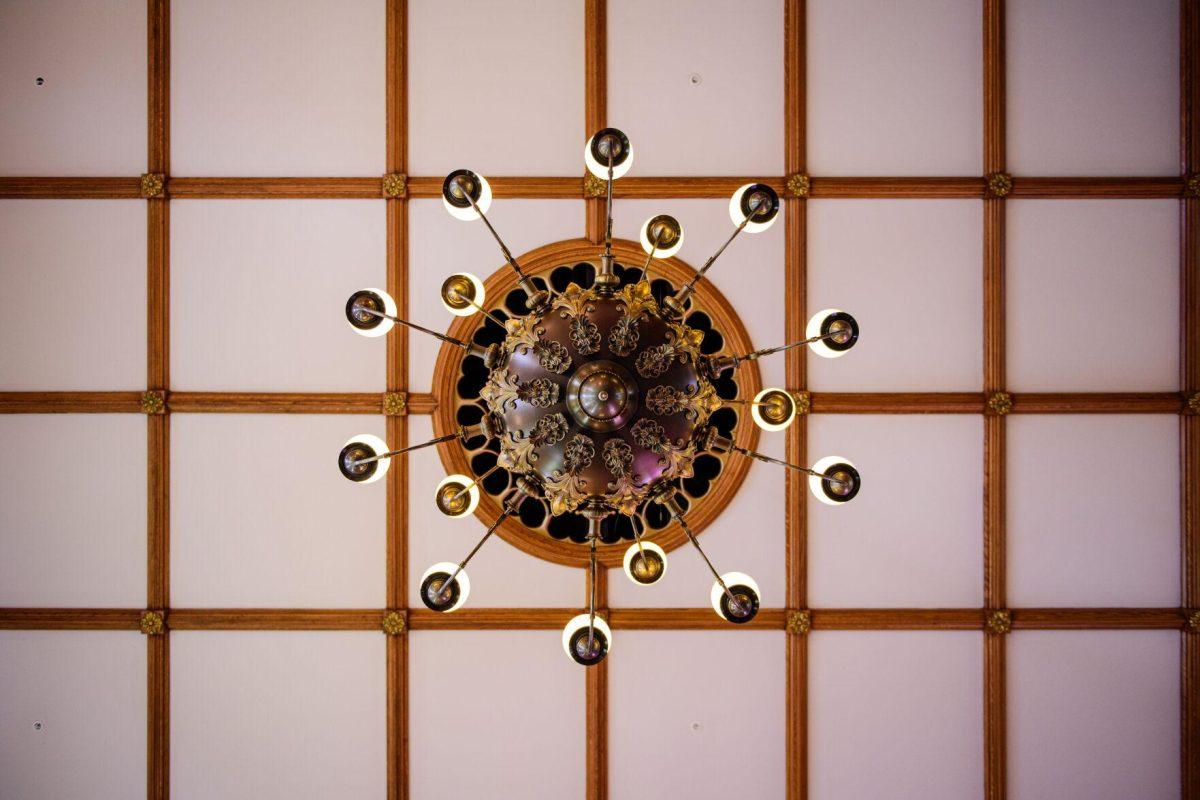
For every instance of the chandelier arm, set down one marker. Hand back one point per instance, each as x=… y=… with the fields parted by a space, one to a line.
x=637 y=538
x=768 y=351
x=445 y=587
x=592 y=589
x=672 y=503
x=769 y=460
x=401 y=451
x=454 y=498
x=477 y=307
x=508 y=256
x=413 y=325
x=608 y=207
x=649 y=259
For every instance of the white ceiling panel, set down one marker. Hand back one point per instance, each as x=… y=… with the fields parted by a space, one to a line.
x=750 y=273
x=72 y=714
x=277 y=87
x=1093 y=510
x=749 y=536
x=88 y=116
x=73 y=510
x=440 y=246
x=278 y=714
x=501 y=575
x=495 y=87
x=895 y=88
x=910 y=271
x=1093 y=714
x=1093 y=87
x=495 y=714
x=700 y=714
x=913 y=535
x=697 y=88
x=261 y=517
x=895 y=714
x=1085 y=280
x=80 y=266
x=259 y=289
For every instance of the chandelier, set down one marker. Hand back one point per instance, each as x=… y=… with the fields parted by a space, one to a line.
x=599 y=398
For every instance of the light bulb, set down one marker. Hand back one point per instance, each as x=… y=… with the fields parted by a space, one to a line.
x=831 y=492
x=744 y=589
x=764 y=217
x=431 y=587
x=575 y=639
x=670 y=236
x=832 y=319
x=652 y=570
x=597 y=162
x=777 y=414
x=360 y=447
x=364 y=323
x=454 y=498
x=458 y=289
x=456 y=202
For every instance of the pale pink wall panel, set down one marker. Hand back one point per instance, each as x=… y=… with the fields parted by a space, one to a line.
x=895 y=714
x=495 y=714
x=1093 y=714
x=697 y=87
x=912 y=536
x=894 y=88
x=495 y=87
x=88 y=116
x=501 y=575
x=1093 y=510
x=910 y=271
x=73 y=288
x=440 y=245
x=73 y=510
x=1093 y=87
x=259 y=289
x=261 y=516
x=87 y=689
x=275 y=715
x=276 y=87
x=696 y=714
x=1093 y=295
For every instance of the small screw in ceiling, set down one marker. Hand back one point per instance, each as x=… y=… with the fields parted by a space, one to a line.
x=695 y=78
x=39 y=80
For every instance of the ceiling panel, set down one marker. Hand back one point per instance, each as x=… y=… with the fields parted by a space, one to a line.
x=500 y=574
x=495 y=87
x=88 y=116
x=913 y=535
x=1093 y=510
x=691 y=88
x=277 y=714
x=494 y=714
x=261 y=517
x=894 y=88
x=258 y=294
x=895 y=714
x=750 y=274
x=700 y=714
x=87 y=691
x=911 y=272
x=1093 y=87
x=1093 y=714
x=1087 y=281
x=73 y=510
x=749 y=536
x=277 y=87
x=73 y=279
x=440 y=246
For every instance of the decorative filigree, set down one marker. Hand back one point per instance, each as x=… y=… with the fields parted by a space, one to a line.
x=539 y=392
x=549 y=430
x=999 y=184
x=654 y=361
x=593 y=186
x=623 y=337
x=519 y=453
x=395 y=184
x=798 y=185
x=553 y=356
x=1000 y=403
x=1193 y=622
x=566 y=489
x=523 y=334
x=677 y=460
x=394 y=623
x=649 y=435
x=504 y=389
x=665 y=400
x=154 y=184
x=999 y=622
x=1193 y=404
x=618 y=458
x=153 y=402
x=624 y=491
x=151 y=623
x=395 y=404
x=799 y=622
x=803 y=401
x=584 y=335
x=637 y=298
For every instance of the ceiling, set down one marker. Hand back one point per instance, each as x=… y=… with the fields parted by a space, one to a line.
x=290 y=89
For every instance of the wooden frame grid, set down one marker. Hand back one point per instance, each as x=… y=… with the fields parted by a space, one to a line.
x=994 y=618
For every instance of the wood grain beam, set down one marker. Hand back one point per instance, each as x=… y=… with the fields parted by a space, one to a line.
x=274 y=619
x=901 y=188
x=70 y=402
x=70 y=619
x=275 y=403
x=34 y=188
x=275 y=188
x=1096 y=618
x=1096 y=188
